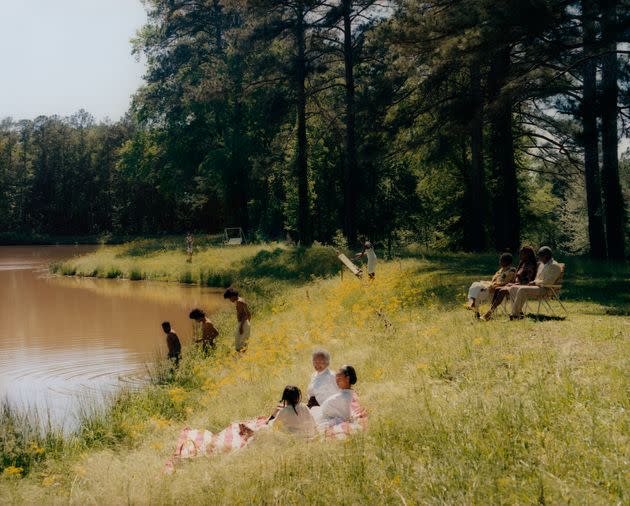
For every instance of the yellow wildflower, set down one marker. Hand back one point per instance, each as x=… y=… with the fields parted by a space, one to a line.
x=12 y=471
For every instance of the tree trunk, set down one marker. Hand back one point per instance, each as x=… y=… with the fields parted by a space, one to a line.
x=350 y=162
x=590 y=135
x=474 y=214
x=505 y=198
x=304 y=225
x=611 y=188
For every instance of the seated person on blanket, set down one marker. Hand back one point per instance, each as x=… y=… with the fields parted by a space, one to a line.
x=338 y=408
x=290 y=415
x=548 y=273
x=323 y=384
x=480 y=291
x=525 y=273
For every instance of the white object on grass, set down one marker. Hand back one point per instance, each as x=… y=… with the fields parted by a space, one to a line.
x=233 y=236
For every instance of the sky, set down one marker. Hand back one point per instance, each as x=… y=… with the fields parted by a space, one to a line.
x=59 y=56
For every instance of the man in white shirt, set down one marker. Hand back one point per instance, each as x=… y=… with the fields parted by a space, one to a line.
x=323 y=384
x=548 y=273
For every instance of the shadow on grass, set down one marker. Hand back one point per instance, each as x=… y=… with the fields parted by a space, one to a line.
x=603 y=283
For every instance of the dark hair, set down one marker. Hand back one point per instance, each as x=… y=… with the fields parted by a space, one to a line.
x=230 y=292
x=166 y=326
x=197 y=314
x=530 y=256
x=349 y=372
x=545 y=250
x=506 y=259
x=292 y=396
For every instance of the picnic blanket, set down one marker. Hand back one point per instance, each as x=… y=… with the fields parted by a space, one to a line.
x=198 y=442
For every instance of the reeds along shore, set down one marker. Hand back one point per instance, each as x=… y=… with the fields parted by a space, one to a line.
x=460 y=411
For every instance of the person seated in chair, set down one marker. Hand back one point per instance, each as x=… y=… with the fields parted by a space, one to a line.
x=525 y=273
x=481 y=290
x=548 y=273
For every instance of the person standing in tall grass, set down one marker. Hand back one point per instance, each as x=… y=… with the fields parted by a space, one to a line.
x=368 y=251
x=189 y=247
x=243 y=317
x=209 y=332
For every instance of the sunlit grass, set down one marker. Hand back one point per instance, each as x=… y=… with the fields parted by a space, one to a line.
x=461 y=411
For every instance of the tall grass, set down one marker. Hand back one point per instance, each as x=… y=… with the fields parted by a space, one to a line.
x=211 y=266
x=461 y=411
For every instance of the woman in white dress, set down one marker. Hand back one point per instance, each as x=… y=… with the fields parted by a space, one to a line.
x=338 y=408
x=480 y=291
x=368 y=251
x=323 y=384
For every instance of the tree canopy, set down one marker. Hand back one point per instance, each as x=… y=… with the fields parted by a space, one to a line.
x=460 y=124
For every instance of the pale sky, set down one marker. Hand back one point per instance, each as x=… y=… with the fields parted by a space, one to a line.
x=58 y=56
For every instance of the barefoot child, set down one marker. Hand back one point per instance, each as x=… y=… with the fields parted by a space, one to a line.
x=172 y=341
x=243 y=316
x=209 y=332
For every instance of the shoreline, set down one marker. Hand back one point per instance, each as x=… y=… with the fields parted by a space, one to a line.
x=462 y=383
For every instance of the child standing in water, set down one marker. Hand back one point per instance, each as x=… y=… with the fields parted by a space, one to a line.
x=172 y=341
x=368 y=251
x=243 y=317
x=208 y=331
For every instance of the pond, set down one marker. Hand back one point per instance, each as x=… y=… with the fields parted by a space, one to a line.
x=64 y=339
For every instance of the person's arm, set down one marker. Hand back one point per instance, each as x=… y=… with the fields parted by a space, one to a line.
x=359 y=255
x=276 y=412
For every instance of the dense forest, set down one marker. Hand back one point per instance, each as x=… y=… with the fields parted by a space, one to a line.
x=460 y=124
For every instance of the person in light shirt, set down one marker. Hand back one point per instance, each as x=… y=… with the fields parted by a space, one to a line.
x=338 y=408
x=290 y=416
x=368 y=251
x=293 y=416
x=323 y=384
x=548 y=273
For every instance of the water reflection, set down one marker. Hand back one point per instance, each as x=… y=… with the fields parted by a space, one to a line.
x=65 y=337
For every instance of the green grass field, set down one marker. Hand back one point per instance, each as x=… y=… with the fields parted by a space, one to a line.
x=461 y=411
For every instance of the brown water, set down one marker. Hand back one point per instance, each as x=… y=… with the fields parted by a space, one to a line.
x=62 y=339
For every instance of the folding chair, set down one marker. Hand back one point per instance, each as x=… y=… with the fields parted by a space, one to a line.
x=551 y=294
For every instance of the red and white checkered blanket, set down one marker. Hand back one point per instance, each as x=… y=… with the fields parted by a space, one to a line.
x=199 y=442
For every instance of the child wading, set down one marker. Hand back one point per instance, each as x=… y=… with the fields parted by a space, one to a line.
x=209 y=332
x=172 y=341
x=243 y=316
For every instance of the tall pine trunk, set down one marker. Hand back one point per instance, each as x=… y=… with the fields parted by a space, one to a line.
x=350 y=161
x=505 y=210
x=589 y=133
x=611 y=188
x=304 y=225
x=475 y=198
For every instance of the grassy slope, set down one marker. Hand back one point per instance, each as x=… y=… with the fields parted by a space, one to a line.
x=461 y=411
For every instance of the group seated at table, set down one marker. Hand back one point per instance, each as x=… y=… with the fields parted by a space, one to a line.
x=334 y=413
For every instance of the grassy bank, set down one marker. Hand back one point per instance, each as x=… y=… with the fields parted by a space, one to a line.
x=461 y=411
x=165 y=260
